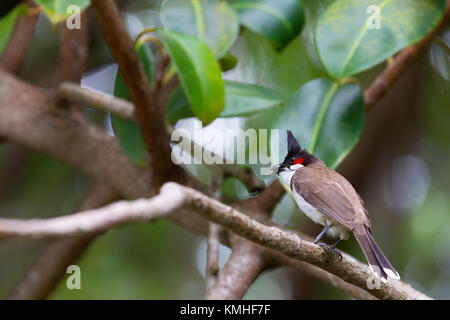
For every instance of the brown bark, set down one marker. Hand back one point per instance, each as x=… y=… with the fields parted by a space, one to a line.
x=149 y=114
x=13 y=56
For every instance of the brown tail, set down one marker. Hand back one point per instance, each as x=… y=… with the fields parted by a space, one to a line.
x=378 y=263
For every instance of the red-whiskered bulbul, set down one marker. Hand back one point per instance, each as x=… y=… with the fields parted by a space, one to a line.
x=327 y=198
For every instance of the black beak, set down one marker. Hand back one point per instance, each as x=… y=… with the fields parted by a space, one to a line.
x=278 y=168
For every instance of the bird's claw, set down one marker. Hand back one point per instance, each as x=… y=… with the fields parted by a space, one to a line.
x=330 y=249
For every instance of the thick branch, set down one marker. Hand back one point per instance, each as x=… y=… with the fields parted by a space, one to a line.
x=248 y=260
x=174 y=197
x=27 y=116
x=246 y=263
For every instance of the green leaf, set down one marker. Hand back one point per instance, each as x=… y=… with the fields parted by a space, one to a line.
x=234 y=189
x=128 y=132
x=210 y=20
x=199 y=73
x=244 y=99
x=241 y=100
x=324 y=116
x=280 y=21
x=255 y=58
x=348 y=43
x=58 y=10
x=7 y=24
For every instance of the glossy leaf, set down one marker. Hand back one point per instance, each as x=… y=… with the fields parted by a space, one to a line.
x=7 y=24
x=244 y=99
x=128 y=132
x=210 y=20
x=199 y=73
x=280 y=21
x=241 y=100
x=60 y=10
x=326 y=118
x=255 y=58
x=348 y=40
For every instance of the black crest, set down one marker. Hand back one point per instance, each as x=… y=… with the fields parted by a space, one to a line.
x=293 y=145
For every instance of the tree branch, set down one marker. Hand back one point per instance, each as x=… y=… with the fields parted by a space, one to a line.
x=326 y=277
x=74 y=51
x=72 y=92
x=402 y=62
x=173 y=197
x=73 y=141
x=92 y=221
x=28 y=117
x=246 y=263
x=369 y=103
x=51 y=265
x=125 y=109
x=212 y=254
x=150 y=116
x=13 y=56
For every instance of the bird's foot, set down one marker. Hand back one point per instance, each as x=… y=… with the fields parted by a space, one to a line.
x=331 y=249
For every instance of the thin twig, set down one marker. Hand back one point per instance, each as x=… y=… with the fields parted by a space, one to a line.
x=92 y=221
x=149 y=114
x=125 y=109
x=87 y=97
x=51 y=265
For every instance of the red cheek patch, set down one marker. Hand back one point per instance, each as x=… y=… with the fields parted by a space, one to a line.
x=299 y=161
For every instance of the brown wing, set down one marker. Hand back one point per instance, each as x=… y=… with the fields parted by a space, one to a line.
x=331 y=194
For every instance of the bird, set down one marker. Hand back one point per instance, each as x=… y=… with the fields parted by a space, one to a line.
x=330 y=200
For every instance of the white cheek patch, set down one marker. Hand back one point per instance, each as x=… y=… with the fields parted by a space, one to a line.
x=295 y=167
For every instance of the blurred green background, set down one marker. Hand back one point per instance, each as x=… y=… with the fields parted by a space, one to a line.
x=400 y=167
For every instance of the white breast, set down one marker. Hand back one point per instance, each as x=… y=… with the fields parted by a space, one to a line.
x=308 y=209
